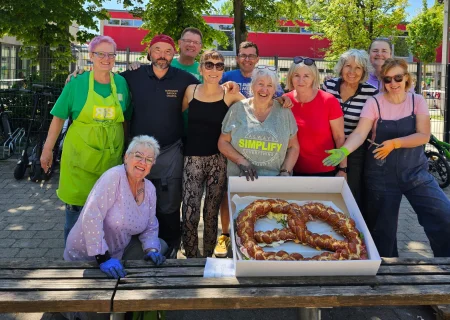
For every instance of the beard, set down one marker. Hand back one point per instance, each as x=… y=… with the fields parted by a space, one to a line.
x=161 y=63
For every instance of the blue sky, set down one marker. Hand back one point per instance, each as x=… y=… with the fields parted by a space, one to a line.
x=413 y=8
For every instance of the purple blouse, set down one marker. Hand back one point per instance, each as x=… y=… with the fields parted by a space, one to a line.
x=110 y=217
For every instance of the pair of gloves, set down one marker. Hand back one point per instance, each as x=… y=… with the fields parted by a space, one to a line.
x=381 y=152
x=114 y=269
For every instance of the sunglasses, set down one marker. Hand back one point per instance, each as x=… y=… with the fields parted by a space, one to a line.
x=210 y=65
x=271 y=68
x=306 y=61
x=397 y=78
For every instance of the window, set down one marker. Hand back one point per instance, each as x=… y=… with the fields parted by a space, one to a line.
x=126 y=22
x=137 y=23
x=228 y=29
x=294 y=29
x=114 y=22
x=282 y=29
x=305 y=30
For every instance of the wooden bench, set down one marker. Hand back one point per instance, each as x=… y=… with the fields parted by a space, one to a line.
x=179 y=285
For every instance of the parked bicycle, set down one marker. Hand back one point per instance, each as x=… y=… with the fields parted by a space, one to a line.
x=438 y=164
x=9 y=138
x=43 y=100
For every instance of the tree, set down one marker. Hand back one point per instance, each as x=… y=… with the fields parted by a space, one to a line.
x=425 y=32
x=352 y=23
x=171 y=17
x=260 y=15
x=43 y=28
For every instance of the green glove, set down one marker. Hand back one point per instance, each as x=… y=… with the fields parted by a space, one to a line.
x=336 y=156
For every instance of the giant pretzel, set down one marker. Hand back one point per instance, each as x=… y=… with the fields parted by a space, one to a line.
x=351 y=248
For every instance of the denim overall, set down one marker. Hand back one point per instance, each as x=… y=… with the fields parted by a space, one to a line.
x=403 y=172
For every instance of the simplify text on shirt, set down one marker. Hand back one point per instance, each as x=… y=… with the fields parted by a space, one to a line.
x=260 y=145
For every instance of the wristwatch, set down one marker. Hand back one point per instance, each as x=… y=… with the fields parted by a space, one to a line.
x=343 y=169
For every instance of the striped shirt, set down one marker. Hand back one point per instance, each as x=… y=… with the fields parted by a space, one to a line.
x=353 y=106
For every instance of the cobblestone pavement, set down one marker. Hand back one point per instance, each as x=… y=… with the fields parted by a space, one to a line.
x=32 y=223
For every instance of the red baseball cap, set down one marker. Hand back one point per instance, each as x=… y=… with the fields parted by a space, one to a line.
x=163 y=38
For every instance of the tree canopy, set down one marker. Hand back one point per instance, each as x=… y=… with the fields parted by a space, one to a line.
x=425 y=32
x=43 y=27
x=171 y=17
x=351 y=23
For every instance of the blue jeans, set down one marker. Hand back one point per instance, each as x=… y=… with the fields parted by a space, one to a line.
x=72 y=214
x=428 y=201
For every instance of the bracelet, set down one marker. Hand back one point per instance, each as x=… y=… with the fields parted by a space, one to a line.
x=285 y=170
x=100 y=258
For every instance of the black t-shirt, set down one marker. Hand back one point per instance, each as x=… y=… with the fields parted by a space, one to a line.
x=156 y=103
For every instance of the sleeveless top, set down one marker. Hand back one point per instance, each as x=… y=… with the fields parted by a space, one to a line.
x=204 y=126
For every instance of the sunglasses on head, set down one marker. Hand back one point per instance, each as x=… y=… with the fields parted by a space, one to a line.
x=306 y=61
x=270 y=68
x=397 y=78
x=210 y=65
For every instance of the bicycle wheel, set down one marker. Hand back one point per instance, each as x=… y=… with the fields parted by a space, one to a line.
x=439 y=168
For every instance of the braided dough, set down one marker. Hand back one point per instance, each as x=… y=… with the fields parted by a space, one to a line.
x=351 y=248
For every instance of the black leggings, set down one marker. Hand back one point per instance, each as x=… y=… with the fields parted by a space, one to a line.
x=210 y=171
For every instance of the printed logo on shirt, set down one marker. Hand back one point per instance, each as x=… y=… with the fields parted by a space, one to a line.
x=245 y=89
x=104 y=113
x=260 y=147
x=120 y=96
x=171 y=93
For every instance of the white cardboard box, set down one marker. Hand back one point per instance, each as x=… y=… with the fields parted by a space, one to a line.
x=302 y=188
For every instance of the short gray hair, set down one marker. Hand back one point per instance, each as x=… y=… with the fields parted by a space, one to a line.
x=262 y=72
x=293 y=69
x=146 y=141
x=361 y=58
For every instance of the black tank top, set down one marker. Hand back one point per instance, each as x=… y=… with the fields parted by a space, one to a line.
x=204 y=126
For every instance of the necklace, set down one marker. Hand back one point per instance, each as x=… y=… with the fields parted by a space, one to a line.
x=139 y=192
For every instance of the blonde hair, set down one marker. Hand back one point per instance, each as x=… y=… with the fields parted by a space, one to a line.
x=293 y=69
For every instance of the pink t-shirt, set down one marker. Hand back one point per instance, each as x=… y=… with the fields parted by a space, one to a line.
x=392 y=111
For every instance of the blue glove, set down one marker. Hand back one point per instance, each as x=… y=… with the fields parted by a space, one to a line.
x=113 y=268
x=156 y=257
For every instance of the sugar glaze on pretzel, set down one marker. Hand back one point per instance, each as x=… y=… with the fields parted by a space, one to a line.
x=351 y=248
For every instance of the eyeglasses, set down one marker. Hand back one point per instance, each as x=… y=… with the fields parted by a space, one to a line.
x=210 y=65
x=139 y=157
x=102 y=55
x=397 y=78
x=262 y=67
x=188 y=41
x=247 y=56
x=306 y=61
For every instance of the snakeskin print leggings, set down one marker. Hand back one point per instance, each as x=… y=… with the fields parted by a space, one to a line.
x=199 y=171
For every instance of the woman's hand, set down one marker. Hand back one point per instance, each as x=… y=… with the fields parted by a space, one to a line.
x=231 y=87
x=336 y=156
x=74 y=74
x=46 y=159
x=285 y=102
x=113 y=268
x=134 y=66
x=248 y=170
x=155 y=257
x=386 y=147
x=341 y=174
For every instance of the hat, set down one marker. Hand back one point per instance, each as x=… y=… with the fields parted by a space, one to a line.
x=163 y=38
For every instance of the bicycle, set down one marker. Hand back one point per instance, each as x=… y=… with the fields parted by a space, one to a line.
x=41 y=106
x=8 y=137
x=438 y=164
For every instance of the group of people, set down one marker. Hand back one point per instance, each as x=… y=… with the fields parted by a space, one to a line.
x=193 y=125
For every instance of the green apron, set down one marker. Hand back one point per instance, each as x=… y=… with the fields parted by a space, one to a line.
x=93 y=144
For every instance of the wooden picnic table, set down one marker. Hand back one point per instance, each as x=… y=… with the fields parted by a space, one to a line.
x=179 y=285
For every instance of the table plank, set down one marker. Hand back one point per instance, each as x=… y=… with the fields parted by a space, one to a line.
x=278 y=297
x=414 y=261
x=165 y=272
x=178 y=283
x=414 y=269
x=56 y=301
x=51 y=273
x=58 y=284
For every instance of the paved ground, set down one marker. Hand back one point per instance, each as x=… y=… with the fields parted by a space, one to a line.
x=31 y=227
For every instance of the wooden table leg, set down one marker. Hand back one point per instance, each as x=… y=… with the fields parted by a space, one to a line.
x=309 y=314
x=117 y=316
